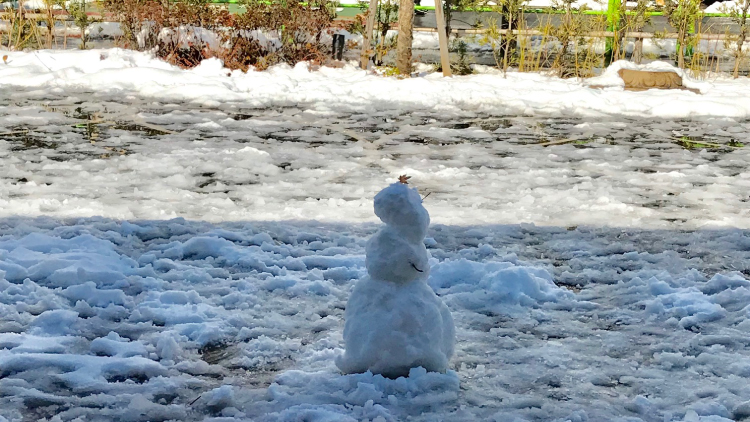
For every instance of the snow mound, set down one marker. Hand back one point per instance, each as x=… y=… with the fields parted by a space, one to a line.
x=692 y=306
x=489 y=285
x=391 y=328
x=360 y=396
x=80 y=372
x=69 y=262
x=610 y=77
x=722 y=6
x=351 y=90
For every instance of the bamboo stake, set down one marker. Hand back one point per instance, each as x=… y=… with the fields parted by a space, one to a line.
x=442 y=38
x=364 y=58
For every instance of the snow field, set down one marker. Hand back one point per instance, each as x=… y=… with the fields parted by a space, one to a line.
x=350 y=89
x=101 y=316
x=247 y=164
x=191 y=258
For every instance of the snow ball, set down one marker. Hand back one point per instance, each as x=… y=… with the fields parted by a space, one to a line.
x=525 y=286
x=167 y=347
x=391 y=328
x=57 y=322
x=95 y=297
x=400 y=207
x=640 y=404
x=492 y=283
x=200 y=247
x=140 y=409
x=692 y=416
x=114 y=345
x=221 y=397
x=390 y=257
x=13 y=272
x=210 y=67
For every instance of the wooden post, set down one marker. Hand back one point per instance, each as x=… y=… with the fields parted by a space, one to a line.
x=405 y=35
x=445 y=60
x=364 y=57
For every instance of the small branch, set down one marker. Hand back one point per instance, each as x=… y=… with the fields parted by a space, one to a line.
x=415 y=267
x=15 y=132
x=152 y=126
x=558 y=142
x=195 y=399
x=93 y=122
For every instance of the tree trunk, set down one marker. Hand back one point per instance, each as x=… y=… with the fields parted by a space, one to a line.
x=681 y=50
x=508 y=41
x=405 y=32
x=510 y=23
x=448 y=14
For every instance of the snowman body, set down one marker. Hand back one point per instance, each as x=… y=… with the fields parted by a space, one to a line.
x=394 y=320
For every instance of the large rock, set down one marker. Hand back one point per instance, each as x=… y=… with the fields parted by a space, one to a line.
x=639 y=80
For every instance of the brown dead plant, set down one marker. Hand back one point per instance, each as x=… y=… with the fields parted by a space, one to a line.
x=184 y=33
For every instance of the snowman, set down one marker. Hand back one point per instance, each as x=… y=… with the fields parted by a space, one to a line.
x=394 y=320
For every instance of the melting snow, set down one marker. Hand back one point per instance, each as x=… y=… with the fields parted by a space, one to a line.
x=161 y=260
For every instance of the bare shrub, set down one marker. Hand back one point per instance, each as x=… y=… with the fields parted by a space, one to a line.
x=184 y=33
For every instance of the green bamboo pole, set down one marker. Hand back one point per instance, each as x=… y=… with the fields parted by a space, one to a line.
x=613 y=25
x=689 y=48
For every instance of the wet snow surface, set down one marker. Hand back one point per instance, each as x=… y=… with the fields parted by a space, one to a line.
x=159 y=262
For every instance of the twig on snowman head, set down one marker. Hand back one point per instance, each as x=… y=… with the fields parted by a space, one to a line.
x=404 y=179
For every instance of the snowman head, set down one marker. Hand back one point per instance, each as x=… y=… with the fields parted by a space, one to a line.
x=400 y=207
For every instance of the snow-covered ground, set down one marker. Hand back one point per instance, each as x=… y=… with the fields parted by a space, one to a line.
x=180 y=245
